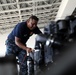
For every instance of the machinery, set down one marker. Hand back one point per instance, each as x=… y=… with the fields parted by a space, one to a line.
x=57 y=36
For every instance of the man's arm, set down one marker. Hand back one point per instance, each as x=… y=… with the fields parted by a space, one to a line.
x=21 y=45
x=37 y=31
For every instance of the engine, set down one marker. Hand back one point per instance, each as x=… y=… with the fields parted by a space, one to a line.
x=56 y=37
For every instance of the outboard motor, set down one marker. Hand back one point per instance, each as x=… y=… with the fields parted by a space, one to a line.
x=37 y=59
x=45 y=49
x=30 y=65
x=50 y=29
x=56 y=37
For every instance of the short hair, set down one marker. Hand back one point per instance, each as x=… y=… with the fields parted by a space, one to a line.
x=34 y=17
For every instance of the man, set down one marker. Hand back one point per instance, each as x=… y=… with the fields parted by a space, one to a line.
x=16 y=41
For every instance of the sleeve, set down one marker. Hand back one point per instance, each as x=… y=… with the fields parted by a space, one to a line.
x=19 y=31
x=37 y=31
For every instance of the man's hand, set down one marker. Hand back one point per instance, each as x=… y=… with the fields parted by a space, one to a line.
x=29 y=50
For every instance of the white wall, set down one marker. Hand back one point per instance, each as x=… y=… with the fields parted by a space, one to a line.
x=30 y=43
x=66 y=8
x=2 y=44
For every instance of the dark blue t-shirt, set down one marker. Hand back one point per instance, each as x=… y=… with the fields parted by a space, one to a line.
x=23 y=32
